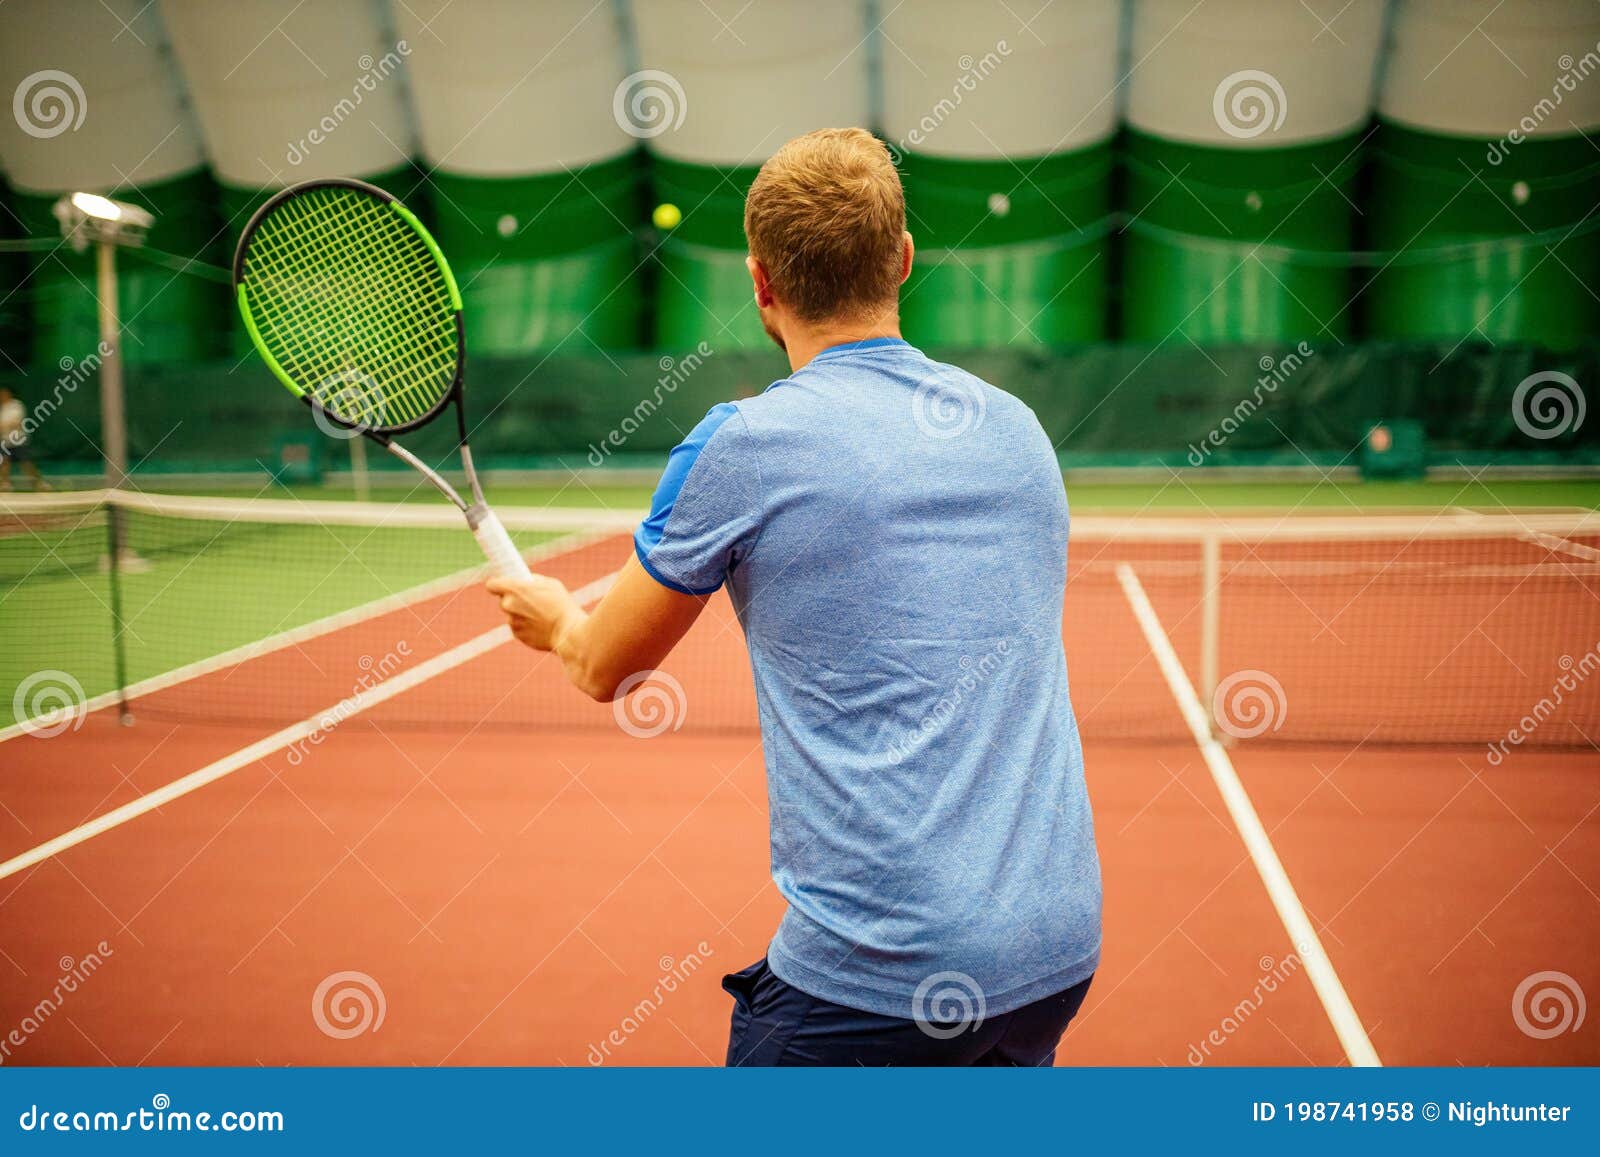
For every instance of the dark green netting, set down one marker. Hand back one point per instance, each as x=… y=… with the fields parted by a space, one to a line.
x=1102 y=404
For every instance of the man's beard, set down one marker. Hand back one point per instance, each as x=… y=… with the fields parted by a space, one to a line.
x=777 y=338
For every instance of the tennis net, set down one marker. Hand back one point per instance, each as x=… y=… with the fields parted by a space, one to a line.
x=1443 y=629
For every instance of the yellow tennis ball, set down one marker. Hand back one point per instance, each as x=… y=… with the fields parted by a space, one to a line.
x=666 y=216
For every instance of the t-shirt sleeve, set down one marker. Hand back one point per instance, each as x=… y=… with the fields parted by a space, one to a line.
x=706 y=511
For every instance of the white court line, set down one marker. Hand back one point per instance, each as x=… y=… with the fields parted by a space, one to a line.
x=1557 y=545
x=1335 y=1001
x=244 y=757
x=566 y=544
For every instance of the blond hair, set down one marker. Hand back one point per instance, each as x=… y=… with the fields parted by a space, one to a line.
x=826 y=216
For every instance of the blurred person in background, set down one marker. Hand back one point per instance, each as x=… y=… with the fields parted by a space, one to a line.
x=14 y=441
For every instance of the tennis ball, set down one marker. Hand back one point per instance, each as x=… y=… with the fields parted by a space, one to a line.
x=666 y=216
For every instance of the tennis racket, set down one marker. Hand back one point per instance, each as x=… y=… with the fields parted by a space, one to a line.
x=352 y=306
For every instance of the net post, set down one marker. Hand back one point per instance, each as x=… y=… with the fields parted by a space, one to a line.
x=1210 y=620
x=115 y=548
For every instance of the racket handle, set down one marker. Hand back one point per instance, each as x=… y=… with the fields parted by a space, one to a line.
x=497 y=544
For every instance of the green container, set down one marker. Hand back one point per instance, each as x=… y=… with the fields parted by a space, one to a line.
x=1504 y=250
x=545 y=258
x=1238 y=245
x=1011 y=251
x=703 y=290
x=168 y=314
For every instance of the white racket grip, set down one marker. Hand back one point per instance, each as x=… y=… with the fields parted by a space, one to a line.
x=497 y=544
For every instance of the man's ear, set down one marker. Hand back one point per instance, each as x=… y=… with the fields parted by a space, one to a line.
x=905 y=260
x=763 y=283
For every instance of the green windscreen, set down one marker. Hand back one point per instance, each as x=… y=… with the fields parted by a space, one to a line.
x=350 y=303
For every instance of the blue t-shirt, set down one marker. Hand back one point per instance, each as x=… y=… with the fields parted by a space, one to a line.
x=893 y=533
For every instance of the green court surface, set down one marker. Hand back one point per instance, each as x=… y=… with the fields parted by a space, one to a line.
x=197 y=589
x=191 y=590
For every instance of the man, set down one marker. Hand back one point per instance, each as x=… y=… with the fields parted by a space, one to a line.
x=893 y=533
x=14 y=441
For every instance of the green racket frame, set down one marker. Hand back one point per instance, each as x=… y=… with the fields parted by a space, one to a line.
x=485 y=526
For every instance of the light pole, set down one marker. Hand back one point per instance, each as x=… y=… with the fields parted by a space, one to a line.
x=87 y=217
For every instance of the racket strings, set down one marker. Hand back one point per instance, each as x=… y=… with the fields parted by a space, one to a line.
x=378 y=381
x=354 y=306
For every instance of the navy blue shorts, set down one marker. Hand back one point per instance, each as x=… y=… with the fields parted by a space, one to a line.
x=775 y=1023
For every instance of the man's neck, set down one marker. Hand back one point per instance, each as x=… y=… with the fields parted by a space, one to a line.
x=807 y=344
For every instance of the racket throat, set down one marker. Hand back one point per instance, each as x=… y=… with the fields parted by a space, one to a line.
x=432 y=476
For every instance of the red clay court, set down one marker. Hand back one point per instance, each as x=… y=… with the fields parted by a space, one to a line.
x=484 y=869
